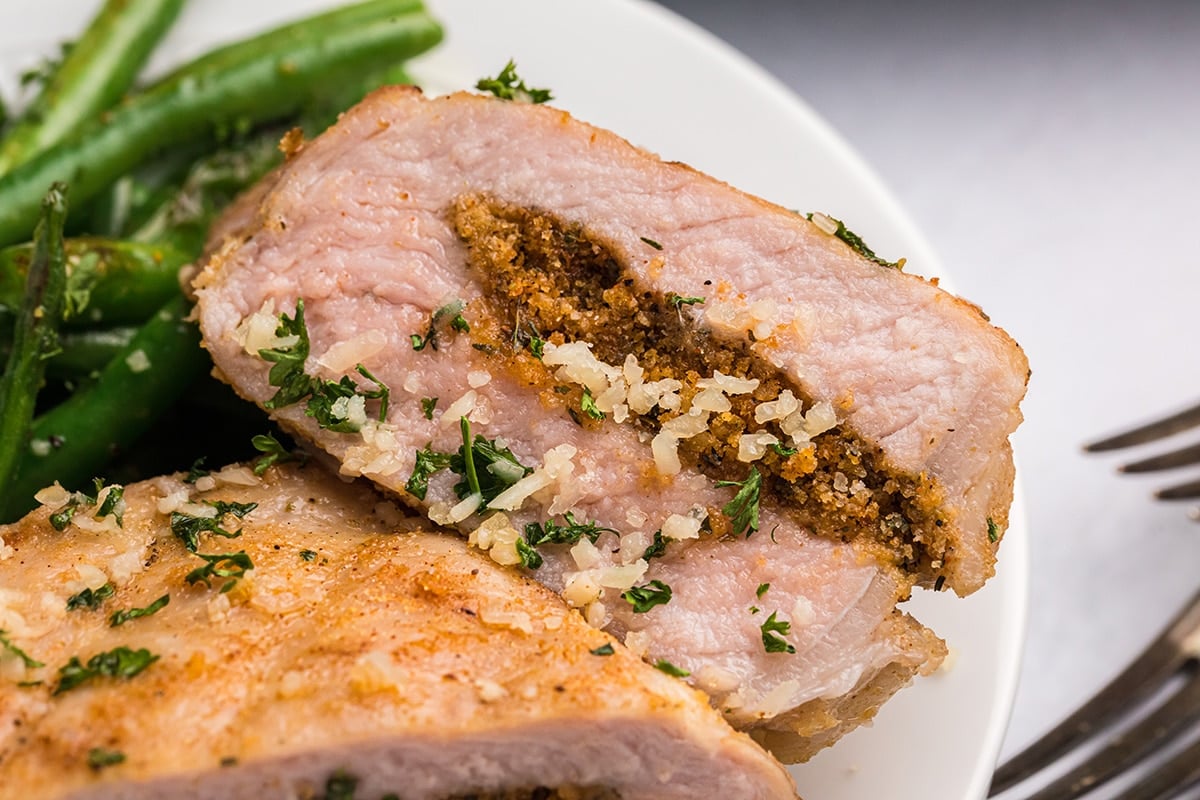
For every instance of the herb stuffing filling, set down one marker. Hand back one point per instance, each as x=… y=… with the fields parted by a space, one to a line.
x=546 y=282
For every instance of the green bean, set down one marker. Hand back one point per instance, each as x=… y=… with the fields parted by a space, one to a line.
x=35 y=337
x=94 y=74
x=86 y=352
x=82 y=353
x=131 y=279
x=256 y=80
x=73 y=441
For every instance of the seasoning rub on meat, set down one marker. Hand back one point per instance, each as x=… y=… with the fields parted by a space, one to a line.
x=715 y=426
x=330 y=648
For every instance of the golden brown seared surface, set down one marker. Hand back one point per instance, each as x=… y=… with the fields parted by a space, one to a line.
x=357 y=648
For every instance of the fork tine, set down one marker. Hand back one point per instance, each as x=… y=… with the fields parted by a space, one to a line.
x=1182 y=457
x=1188 y=418
x=1178 y=644
x=1129 y=746
x=1169 y=780
x=1182 y=491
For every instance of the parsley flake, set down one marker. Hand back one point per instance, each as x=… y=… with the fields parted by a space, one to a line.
x=679 y=301
x=340 y=786
x=453 y=310
x=99 y=758
x=508 y=86
x=651 y=242
x=742 y=510
x=486 y=468
x=551 y=532
x=6 y=644
x=773 y=631
x=308 y=555
x=857 y=244
x=993 y=530
x=428 y=404
x=197 y=471
x=90 y=598
x=645 y=597
x=221 y=565
x=272 y=452
x=662 y=665
x=657 y=548
x=762 y=589
x=587 y=404
x=121 y=617
x=605 y=649
x=530 y=558
x=121 y=662
x=786 y=452
x=328 y=402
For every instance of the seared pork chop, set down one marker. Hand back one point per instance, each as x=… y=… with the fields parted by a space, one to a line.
x=331 y=644
x=716 y=427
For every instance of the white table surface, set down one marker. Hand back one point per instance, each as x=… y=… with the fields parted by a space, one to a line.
x=1051 y=154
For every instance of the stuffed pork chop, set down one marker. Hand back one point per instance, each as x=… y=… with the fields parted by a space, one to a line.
x=719 y=429
x=330 y=645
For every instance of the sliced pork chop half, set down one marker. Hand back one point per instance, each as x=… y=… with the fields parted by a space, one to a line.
x=399 y=195
x=456 y=251
x=333 y=646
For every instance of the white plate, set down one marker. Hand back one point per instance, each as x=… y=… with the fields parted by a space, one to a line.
x=670 y=87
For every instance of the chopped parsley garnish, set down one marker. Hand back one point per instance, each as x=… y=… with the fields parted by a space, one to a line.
x=550 y=532
x=62 y=518
x=508 y=86
x=120 y=662
x=99 y=758
x=657 y=548
x=531 y=338
x=110 y=505
x=90 y=598
x=272 y=452
x=428 y=404
x=308 y=555
x=652 y=243
x=742 y=510
x=486 y=468
x=773 y=631
x=328 y=401
x=762 y=589
x=993 y=530
x=6 y=644
x=457 y=322
x=755 y=609
x=645 y=597
x=662 y=665
x=587 y=404
x=221 y=565
x=605 y=649
x=121 y=617
x=188 y=528
x=858 y=245
x=429 y=461
x=197 y=471
x=239 y=510
x=530 y=558
x=679 y=301
x=786 y=452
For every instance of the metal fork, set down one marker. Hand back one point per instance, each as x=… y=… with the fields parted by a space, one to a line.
x=1154 y=702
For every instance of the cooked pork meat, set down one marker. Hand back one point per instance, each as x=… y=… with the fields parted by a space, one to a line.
x=342 y=647
x=721 y=431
